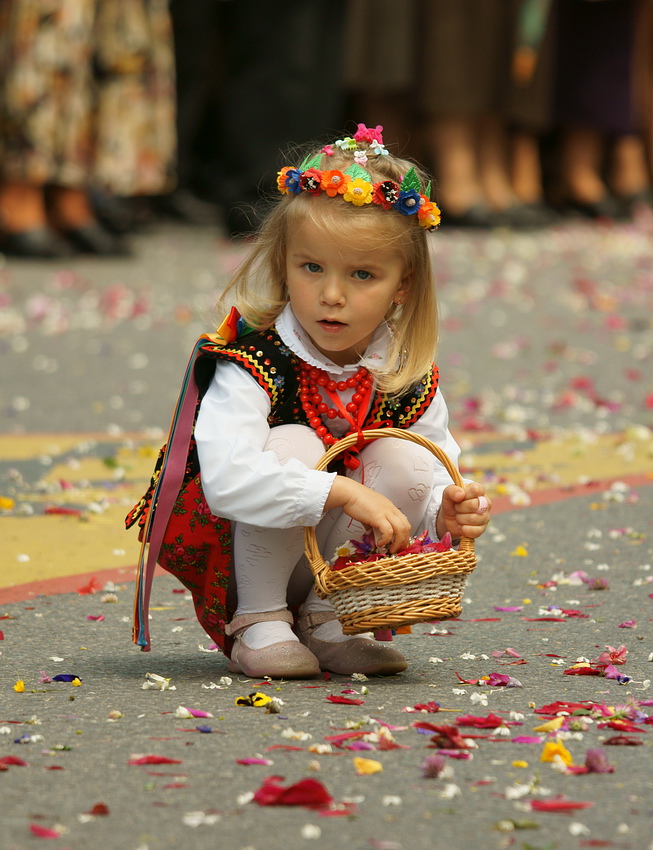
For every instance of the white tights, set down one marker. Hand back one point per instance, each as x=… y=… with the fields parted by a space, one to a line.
x=270 y=567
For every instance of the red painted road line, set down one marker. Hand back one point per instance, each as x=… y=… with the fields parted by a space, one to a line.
x=68 y=584
x=500 y=505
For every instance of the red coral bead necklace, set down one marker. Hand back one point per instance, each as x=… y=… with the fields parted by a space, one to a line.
x=313 y=382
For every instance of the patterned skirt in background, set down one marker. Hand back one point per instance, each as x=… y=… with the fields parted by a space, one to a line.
x=87 y=94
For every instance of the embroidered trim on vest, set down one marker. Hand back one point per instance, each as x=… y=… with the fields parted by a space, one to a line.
x=252 y=358
x=403 y=412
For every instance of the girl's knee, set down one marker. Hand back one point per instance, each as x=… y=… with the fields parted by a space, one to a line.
x=401 y=462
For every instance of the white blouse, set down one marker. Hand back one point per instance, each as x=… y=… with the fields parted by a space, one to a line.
x=245 y=483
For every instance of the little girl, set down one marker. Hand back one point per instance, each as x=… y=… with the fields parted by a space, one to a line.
x=334 y=332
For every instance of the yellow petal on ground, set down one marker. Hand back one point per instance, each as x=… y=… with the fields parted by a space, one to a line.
x=520 y=763
x=364 y=767
x=19 y=687
x=556 y=748
x=550 y=725
x=520 y=552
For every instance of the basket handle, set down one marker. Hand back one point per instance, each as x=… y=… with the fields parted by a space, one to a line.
x=466 y=543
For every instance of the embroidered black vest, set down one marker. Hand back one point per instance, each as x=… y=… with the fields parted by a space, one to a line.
x=276 y=370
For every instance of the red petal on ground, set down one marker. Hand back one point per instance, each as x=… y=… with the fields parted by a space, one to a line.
x=446 y=736
x=492 y=721
x=306 y=792
x=153 y=759
x=623 y=741
x=620 y=726
x=558 y=805
x=7 y=760
x=466 y=681
x=345 y=700
x=57 y=510
x=583 y=671
x=544 y=619
x=558 y=706
x=99 y=809
x=43 y=832
x=92 y=587
x=345 y=736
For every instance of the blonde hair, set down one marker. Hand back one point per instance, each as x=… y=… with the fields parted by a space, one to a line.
x=258 y=289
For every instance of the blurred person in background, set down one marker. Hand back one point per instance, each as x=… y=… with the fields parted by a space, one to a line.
x=381 y=61
x=252 y=75
x=86 y=104
x=442 y=79
x=200 y=32
x=602 y=165
x=485 y=112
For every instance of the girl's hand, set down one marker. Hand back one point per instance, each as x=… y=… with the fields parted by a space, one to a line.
x=459 y=512
x=391 y=527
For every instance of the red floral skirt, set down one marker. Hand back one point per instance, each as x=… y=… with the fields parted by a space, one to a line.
x=197 y=549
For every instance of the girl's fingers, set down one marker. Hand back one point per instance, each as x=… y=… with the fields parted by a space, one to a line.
x=477 y=506
x=472 y=530
x=383 y=536
x=395 y=534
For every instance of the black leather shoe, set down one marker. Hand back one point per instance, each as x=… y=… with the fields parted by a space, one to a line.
x=94 y=239
x=534 y=216
x=637 y=201
x=608 y=208
x=41 y=243
x=182 y=205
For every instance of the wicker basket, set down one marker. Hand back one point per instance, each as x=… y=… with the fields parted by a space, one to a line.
x=397 y=590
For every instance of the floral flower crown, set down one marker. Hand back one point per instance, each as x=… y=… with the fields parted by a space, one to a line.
x=355 y=185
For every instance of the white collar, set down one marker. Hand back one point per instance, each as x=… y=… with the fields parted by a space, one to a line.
x=299 y=342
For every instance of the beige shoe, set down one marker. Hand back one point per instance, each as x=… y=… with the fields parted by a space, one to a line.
x=288 y=659
x=356 y=655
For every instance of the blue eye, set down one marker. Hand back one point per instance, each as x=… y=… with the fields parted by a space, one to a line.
x=313 y=268
x=361 y=274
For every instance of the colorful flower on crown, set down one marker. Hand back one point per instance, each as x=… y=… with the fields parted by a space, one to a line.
x=311 y=181
x=288 y=180
x=369 y=134
x=347 y=144
x=358 y=192
x=386 y=193
x=335 y=182
x=428 y=213
x=408 y=203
